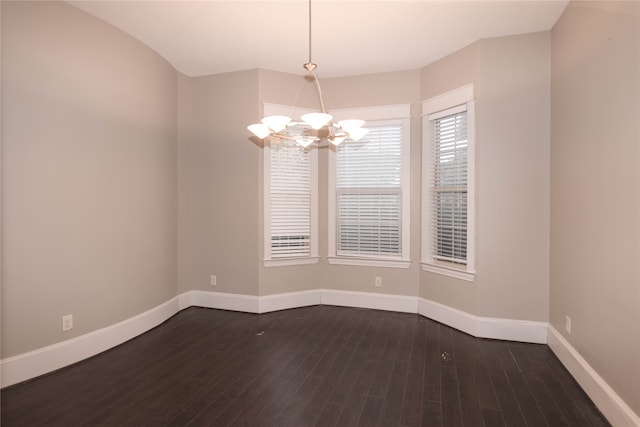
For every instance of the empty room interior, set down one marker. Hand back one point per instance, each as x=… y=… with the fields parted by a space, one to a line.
x=492 y=191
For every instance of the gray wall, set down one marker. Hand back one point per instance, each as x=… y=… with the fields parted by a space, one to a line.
x=89 y=175
x=511 y=77
x=184 y=122
x=223 y=212
x=595 y=188
x=513 y=177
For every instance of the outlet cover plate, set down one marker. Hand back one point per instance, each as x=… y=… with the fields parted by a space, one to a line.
x=67 y=322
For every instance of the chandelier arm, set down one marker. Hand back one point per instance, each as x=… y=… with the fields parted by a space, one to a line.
x=310 y=67
x=282 y=135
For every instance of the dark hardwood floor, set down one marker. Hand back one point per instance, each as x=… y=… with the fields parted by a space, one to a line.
x=313 y=366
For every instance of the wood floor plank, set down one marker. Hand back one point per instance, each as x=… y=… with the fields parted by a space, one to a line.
x=470 y=404
x=352 y=370
x=312 y=366
x=481 y=372
x=391 y=409
x=313 y=405
x=451 y=405
x=412 y=401
x=509 y=407
x=382 y=378
x=431 y=387
x=352 y=410
x=547 y=402
x=302 y=406
x=371 y=412
x=330 y=415
x=431 y=413
x=526 y=400
x=492 y=418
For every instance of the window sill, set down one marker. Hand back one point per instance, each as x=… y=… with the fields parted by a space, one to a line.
x=284 y=262
x=445 y=270
x=368 y=262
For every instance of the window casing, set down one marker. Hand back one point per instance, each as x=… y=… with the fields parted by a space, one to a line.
x=290 y=202
x=448 y=200
x=369 y=192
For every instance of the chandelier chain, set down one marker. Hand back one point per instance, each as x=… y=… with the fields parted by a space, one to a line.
x=310 y=32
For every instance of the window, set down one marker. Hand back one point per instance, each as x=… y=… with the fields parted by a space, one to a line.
x=290 y=207
x=448 y=184
x=369 y=193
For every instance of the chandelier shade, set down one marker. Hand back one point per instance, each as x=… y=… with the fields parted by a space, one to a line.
x=337 y=140
x=260 y=130
x=358 y=133
x=350 y=125
x=316 y=120
x=313 y=127
x=276 y=123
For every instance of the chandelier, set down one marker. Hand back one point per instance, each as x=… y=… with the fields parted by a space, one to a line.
x=314 y=127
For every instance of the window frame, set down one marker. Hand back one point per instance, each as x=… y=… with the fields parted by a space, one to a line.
x=449 y=100
x=382 y=115
x=313 y=257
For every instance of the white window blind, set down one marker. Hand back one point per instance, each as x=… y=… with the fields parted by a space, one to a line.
x=290 y=200
x=449 y=185
x=369 y=193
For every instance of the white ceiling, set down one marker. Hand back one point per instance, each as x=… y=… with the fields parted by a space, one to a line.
x=349 y=37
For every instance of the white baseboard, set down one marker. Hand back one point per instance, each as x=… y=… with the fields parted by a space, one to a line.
x=48 y=359
x=450 y=316
x=617 y=412
x=399 y=303
x=32 y=364
x=268 y=303
x=484 y=327
x=225 y=301
x=289 y=300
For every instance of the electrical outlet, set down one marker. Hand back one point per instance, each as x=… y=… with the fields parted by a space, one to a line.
x=567 y=324
x=378 y=282
x=67 y=322
x=213 y=280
